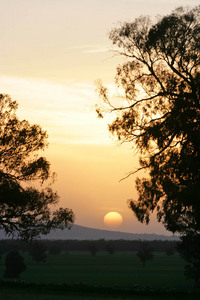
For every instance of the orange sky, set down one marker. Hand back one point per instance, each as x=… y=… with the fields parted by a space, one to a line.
x=51 y=53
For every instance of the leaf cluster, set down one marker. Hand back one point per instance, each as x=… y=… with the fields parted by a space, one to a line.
x=25 y=210
x=145 y=253
x=161 y=113
x=189 y=250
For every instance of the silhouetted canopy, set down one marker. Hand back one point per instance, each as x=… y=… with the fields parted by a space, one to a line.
x=26 y=211
x=159 y=113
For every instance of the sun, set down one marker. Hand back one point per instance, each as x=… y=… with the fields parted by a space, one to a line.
x=113 y=219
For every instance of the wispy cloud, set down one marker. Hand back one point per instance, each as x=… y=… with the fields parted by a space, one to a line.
x=90 y=48
x=66 y=111
x=99 y=50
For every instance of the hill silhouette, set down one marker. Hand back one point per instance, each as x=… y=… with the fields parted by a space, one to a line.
x=78 y=232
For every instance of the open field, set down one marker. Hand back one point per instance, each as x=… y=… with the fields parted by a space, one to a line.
x=24 y=291
x=78 y=275
x=121 y=269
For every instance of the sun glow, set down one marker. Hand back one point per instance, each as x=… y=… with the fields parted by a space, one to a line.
x=52 y=75
x=113 y=219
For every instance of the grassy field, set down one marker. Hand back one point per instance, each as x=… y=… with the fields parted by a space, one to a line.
x=121 y=269
x=19 y=291
x=79 y=275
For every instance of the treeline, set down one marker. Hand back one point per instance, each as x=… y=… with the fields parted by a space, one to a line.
x=14 y=250
x=56 y=246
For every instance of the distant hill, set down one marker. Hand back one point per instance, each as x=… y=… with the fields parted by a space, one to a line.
x=78 y=232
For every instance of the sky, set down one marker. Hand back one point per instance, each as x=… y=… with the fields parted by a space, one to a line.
x=51 y=54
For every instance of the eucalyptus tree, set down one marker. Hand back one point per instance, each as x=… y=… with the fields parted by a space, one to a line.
x=159 y=114
x=25 y=210
x=15 y=265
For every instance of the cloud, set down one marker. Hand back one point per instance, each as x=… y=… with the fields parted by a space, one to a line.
x=99 y=50
x=66 y=111
x=91 y=49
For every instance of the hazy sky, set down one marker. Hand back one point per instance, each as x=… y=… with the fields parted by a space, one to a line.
x=51 y=53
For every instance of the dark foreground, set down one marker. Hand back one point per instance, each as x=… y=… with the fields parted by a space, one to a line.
x=79 y=275
x=18 y=290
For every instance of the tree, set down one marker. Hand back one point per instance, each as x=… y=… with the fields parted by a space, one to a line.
x=170 y=251
x=55 y=249
x=110 y=248
x=159 y=113
x=93 y=249
x=145 y=252
x=25 y=210
x=189 y=249
x=14 y=264
x=38 y=251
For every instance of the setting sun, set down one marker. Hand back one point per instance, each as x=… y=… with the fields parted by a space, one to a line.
x=99 y=149
x=113 y=219
x=51 y=73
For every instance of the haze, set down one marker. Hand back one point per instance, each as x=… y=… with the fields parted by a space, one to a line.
x=51 y=53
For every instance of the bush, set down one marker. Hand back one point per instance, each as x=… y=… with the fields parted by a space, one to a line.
x=14 y=264
x=93 y=249
x=145 y=252
x=38 y=252
x=110 y=249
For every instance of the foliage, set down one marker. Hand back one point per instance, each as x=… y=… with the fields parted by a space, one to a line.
x=110 y=248
x=170 y=251
x=93 y=249
x=14 y=264
x=84 y=245
x=189 y=250
x=145 y=253
x=55 y=249
x=159 y=113
x=38 y=251
x=25 y=210
x=121 y=269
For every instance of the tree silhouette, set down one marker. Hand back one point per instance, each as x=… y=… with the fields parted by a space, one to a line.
x=145 y=252
x=54 y=249
x=159 y=113
x=38 y=251
x=93 y=249
x=189 y=248
x=110 y=248
x=14 y=264
x=170 y=251
x=25 y=210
